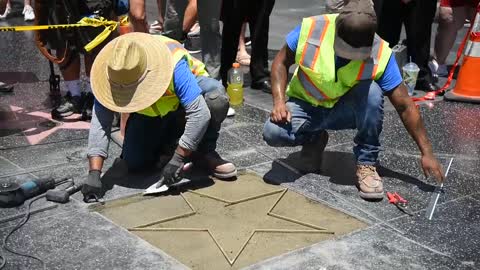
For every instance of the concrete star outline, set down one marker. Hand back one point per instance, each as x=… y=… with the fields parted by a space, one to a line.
x=231 y=261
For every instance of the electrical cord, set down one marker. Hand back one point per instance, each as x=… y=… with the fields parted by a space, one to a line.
x=18 y=226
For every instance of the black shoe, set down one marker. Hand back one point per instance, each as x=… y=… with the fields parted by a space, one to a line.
x=426 y=86
x=6 y=88
x=68 y=106
x=193 y=44
x=87 y=106
x=265 y=86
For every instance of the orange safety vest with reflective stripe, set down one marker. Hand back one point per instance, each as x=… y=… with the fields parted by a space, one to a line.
x=315 y=79
x=169 y=102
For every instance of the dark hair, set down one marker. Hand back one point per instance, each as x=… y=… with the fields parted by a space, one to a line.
x=357 y=23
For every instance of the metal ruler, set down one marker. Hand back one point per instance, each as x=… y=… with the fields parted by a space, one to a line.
x=436 y=195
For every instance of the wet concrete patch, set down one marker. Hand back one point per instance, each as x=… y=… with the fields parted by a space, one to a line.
x=229 y=225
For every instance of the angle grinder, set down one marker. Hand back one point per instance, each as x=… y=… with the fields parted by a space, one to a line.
x=13 y=194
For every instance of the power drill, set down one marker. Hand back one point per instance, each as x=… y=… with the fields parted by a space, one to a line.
x=13 y=194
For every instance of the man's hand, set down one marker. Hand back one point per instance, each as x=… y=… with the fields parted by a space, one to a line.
x=92 y=189
x=171 y=171
x=431 y=167
x=280 y=114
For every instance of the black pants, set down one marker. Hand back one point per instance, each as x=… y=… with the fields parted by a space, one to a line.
x=417 y=16
x=257 y=14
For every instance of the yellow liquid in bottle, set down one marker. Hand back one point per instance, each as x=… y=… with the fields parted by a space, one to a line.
x=235 y=92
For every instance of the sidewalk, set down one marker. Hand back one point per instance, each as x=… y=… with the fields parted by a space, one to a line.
x=74 y=236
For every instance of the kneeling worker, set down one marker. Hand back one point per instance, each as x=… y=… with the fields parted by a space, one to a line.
x=344 y=71
x=169 y=97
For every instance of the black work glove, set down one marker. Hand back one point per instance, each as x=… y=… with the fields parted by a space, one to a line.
x=92 y=189
x=171 y=171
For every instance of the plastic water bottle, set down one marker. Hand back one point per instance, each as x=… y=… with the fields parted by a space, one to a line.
x=235 y=85
x=410 y=74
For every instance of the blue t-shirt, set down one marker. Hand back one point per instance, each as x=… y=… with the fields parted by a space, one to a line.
x=390 y=79
x=186 y=86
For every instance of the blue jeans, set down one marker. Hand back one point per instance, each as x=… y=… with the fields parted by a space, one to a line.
x=146 y=138
x=361 y=108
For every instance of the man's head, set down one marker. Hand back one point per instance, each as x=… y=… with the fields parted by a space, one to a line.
x=355 y=30
x=131 y=72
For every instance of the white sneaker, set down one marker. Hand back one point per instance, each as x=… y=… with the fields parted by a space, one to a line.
x=28 y=13
x=231 y=112
x=7 y=11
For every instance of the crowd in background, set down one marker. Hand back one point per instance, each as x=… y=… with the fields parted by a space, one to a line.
x=217 y=29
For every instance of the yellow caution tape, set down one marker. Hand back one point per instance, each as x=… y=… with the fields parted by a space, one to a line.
x=110 y=26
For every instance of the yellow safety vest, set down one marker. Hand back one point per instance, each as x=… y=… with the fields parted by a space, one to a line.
x=314 y=79
x=169 y=102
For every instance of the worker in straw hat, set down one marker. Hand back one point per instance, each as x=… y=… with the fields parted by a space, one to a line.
x=344 y=71
x=169 y=97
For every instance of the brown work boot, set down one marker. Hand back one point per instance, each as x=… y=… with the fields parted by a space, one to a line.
x=310 y=160
x=219 y=167
x=370 y=184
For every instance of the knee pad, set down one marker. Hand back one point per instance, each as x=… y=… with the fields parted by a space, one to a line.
x=217 y=102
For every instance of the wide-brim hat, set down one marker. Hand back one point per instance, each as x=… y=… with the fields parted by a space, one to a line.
x=131 y=72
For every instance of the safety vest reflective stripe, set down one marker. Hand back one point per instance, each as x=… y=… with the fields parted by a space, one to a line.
x=307 y=83
x=174 y=46
x=369 y=67
x=195 y=66
x=155 y=109
x=311 y=50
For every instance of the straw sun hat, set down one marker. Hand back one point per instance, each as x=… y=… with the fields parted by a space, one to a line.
x=131 y=72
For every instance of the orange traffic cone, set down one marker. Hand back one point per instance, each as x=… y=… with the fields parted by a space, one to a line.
x=467 y=88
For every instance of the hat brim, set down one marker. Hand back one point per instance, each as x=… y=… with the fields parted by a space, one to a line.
x=344 y=50
x=139 y=96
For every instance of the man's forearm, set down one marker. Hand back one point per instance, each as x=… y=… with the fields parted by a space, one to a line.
x=198 y=118
x=279 y=76
x=411 y=119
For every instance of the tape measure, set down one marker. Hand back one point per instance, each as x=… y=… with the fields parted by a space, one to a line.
x=110 y=26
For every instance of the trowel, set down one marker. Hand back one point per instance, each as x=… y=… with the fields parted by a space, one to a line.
x=153 y=189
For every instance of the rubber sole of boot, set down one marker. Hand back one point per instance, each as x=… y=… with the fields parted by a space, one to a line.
x=371 y=196
x=224 y=176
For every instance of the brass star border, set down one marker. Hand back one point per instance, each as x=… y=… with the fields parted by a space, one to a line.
x=231 y=261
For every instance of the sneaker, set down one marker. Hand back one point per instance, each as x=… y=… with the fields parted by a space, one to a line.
x=230 y=112
x=310 y=160
x=437 y=69
x=369 y=183
x=195 y=30
x=68 y=106
x=192 y=44
x=87 y=106
x=8 y=10
x=156 y=27
x=442 y=71
x=6 y=88
x=28 y=13
x=219 y=167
